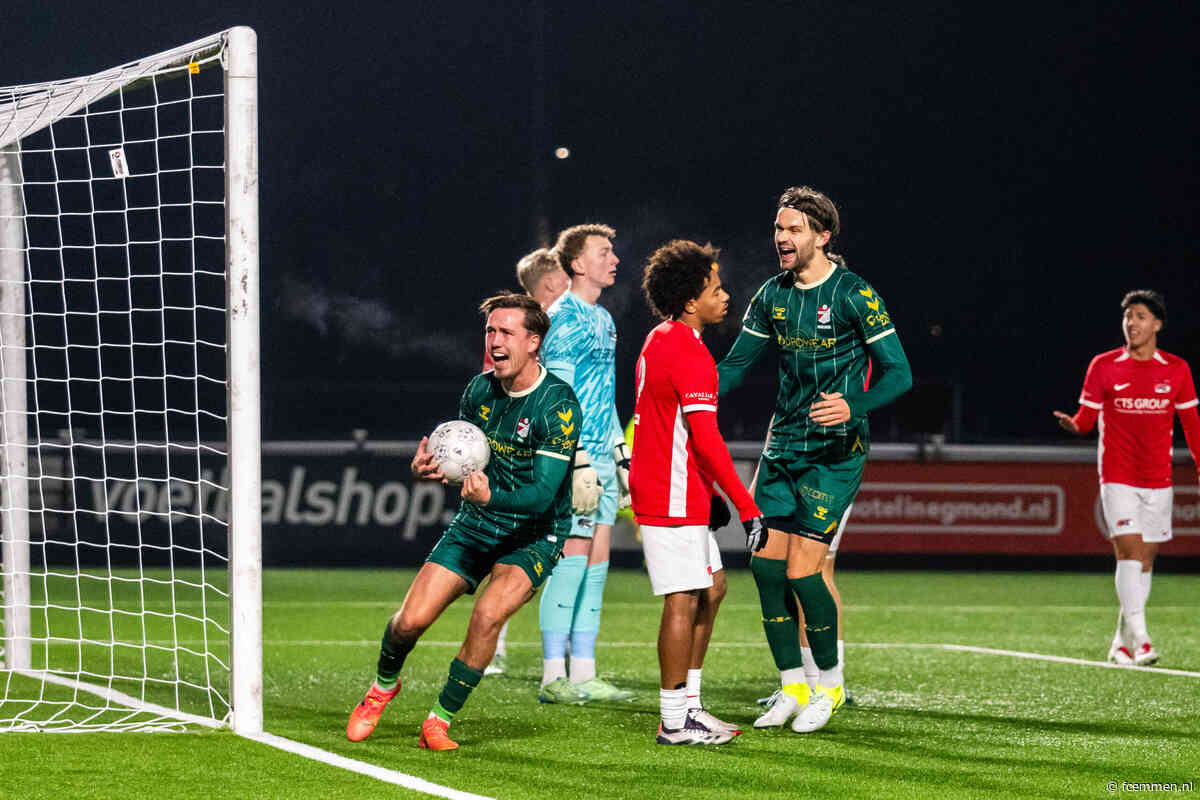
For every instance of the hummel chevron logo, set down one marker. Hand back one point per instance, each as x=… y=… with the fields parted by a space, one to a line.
x=1119 y=386
x=566 y=417
x=566 y=429
x=871 y=304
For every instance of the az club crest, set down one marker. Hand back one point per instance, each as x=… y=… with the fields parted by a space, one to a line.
x=823 y=314
x=1162 y=388
x=523 y=428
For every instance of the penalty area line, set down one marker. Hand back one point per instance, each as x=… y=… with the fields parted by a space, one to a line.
x=992 y=651
x=363 y=768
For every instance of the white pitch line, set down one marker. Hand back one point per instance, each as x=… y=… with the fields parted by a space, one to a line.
x=134 y=607
x=961 y=648
x=363 y=768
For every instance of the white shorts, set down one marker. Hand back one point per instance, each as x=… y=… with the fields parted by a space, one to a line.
x=680 y=558
x=837 y=538
x=1128 y=509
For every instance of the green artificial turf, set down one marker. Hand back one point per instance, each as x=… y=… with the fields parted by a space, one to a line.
x=927 y=722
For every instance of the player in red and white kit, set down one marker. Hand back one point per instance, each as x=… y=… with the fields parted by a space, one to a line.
x=1135 y=392
x=678 y=453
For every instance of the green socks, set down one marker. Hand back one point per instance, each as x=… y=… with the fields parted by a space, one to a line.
x=820 y=618
x=778 y=611
x=392 y=652
x=456 y=691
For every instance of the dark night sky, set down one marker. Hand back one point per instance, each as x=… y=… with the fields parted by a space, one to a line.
x=1005 y=173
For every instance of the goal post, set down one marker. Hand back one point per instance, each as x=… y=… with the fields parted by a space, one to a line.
x=14 y=493
x=130 y=485
x=245 y=435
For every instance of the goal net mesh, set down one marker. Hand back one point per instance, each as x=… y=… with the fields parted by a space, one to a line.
x=112 y=204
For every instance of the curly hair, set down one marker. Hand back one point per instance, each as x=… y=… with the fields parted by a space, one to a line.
x=572 y=240
x=676 y=274
x=1150 y=299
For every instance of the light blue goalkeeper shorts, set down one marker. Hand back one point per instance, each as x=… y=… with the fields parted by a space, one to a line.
x=606 y=512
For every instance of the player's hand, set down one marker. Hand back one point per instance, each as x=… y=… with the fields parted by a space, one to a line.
x=756 y=533
x=476 y=489
x=831 y=409
x=585 y=484
x=424 y=466
x=718 y=513
x=1066 y=422
x=621 y=457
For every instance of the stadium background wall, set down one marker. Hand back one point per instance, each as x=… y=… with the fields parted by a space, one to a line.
x=355 y=504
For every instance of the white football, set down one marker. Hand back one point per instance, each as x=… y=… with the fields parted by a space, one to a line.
x=460 y=448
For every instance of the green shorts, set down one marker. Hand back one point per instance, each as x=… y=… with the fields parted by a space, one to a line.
x=472 y=555
x=807 y=496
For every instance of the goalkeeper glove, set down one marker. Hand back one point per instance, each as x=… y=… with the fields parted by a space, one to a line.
x=718 y=513
x=756 y=533
x=585 y=484
x=621 y=456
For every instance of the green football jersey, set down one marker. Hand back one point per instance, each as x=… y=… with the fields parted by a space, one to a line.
x=540 y=422
x=827 y=333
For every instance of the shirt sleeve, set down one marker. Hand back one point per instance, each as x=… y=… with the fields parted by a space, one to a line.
x=1091 y=398
x=562 y=342
x=1185 y=407
x=536 y=496
x=869 y=316
x=750 y=343
x=694 y=378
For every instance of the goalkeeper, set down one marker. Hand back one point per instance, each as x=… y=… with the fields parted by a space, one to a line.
x=581 y=349
x=511 y=525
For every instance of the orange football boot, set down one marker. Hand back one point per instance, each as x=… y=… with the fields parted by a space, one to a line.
x=365 y=715
x=435 y=735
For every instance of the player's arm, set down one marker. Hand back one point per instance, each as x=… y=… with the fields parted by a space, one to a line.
x=554 y=436
x=869 y=315
x=713 y=455
x=620 y=452
x=1185 y=407
x=747 y=348
x=1091 y=400
x=549 y=470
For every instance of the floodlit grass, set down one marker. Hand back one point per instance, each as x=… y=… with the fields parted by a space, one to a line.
x=928 y=722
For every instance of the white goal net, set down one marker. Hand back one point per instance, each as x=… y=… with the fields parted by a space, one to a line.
x=129 y=488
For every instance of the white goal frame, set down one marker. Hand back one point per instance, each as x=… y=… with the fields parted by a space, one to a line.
x=35 y=108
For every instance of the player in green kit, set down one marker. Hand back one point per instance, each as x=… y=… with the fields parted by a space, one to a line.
x=512 y=524
x=831 y=331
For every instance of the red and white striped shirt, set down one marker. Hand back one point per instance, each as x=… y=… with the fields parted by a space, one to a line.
x=677 y=450
x=1136 y=403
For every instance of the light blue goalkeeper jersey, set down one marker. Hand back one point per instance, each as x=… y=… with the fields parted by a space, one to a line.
x=581 y=349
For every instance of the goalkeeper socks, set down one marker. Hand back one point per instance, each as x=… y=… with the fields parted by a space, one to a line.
x=811 y=671
x=589 y=602
x=672 y=704
x=555 y=611
x=1132 y=597
x=393 y=650
x=458 y=688
x=693 y=689
x=583 y=656
x=820 y=618
x=585 y=625
x=778 y=611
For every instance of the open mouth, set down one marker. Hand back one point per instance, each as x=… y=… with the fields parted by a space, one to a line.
x=499 y=358
x=785 y=251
